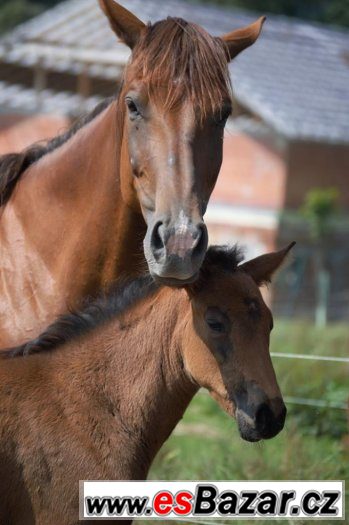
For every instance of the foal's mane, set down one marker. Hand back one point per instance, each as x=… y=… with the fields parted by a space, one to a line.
x=93 y=314
x=118 y=300
x=12 y=165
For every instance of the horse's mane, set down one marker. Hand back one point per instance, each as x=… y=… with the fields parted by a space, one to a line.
x=187 y=61
x=117 y=301
x=12 y=165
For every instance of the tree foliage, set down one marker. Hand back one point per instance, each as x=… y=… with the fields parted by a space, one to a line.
x=13 y=12
x=326 y=11
x=319 y=209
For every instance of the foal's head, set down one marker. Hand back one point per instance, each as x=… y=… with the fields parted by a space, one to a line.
x=177 y=99
x=229 y=350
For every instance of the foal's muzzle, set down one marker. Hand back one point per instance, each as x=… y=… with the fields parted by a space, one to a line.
x=263 y=421
x=175 y=251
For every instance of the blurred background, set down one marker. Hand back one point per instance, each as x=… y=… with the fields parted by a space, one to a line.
x=285 y=177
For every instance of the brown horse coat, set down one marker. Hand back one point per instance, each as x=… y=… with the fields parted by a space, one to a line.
x=127 y=189
x=104 y=388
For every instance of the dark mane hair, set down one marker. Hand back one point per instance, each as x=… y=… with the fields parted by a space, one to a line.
x=12 y=165
x=95 y=313
x=224 y=258
x=187 y=60
x=118 y=300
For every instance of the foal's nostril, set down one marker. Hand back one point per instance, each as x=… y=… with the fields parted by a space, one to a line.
x=267 y=423
x=264 y=418
x=282 y=416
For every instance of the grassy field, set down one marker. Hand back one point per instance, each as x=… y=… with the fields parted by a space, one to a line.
x=206 y=444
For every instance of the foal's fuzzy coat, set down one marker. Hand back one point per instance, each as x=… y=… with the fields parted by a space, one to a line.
x=89 y=410
x=100 y=405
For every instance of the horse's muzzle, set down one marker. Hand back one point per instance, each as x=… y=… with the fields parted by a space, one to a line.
x=175 y=253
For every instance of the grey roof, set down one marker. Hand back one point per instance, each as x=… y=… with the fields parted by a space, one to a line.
x=296 y=77
x=18 y=99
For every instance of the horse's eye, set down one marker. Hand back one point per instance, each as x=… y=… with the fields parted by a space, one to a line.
x=132 y=107
x=216 y=326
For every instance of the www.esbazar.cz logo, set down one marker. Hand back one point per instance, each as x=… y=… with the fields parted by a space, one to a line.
x=223 y=499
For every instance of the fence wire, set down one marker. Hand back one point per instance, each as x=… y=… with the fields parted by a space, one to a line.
x=315 y=403
x=311 y=357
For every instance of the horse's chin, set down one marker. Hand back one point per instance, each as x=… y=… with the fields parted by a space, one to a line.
x=173 y=281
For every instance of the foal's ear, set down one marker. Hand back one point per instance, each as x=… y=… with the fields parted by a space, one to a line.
x=262 y=268
x=124 y=23
x=238 y=40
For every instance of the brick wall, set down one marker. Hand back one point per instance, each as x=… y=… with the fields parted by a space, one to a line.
x=316 y=164
x=256 y=182
x=252 y=174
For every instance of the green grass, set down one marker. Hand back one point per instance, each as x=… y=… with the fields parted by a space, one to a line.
x=206 y=444
x=323 y=380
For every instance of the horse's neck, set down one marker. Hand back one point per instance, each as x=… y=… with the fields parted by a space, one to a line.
x=139 y=380
x=66 y=232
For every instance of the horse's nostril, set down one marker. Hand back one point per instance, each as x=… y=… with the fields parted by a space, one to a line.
x=201 y=239
x=157 y=242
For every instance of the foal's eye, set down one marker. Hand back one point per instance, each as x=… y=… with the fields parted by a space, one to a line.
x=216 y=326
x=132 y=108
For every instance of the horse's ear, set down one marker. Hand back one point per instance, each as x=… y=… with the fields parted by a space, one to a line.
x=262 y=268
x=124 y=23
x=238 y=40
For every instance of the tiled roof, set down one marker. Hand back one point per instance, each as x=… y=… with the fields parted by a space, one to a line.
x=21 y=100
x=296 y=77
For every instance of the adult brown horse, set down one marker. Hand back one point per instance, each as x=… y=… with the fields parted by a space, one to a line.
x=75 y=211
x=115 y=379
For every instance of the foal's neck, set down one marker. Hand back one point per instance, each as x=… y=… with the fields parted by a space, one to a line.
x=138 y=376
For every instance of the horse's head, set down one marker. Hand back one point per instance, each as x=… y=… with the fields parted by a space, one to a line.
x=176 y=99
x=229 y=348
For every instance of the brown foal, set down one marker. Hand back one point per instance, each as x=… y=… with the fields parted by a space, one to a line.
x=100 y=391
x=126 y=188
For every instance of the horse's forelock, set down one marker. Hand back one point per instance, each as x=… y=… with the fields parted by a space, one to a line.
x=187 y=60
